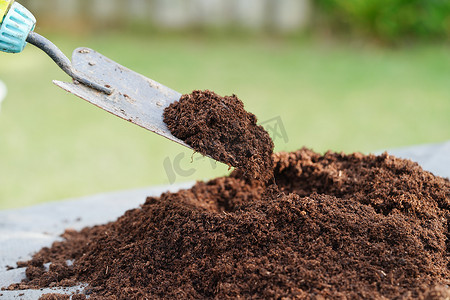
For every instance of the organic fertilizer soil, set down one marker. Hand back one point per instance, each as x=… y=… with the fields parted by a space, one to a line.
x=221 y=128
x=325 y=226
x=334 y=226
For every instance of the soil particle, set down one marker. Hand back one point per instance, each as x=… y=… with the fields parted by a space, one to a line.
x=54 y=296
x=221 y=128
x=56 y=275
x=334 y=226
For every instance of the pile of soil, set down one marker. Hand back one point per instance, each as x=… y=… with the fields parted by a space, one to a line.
x=333 y=226
x=326 y=226
x=221 y=128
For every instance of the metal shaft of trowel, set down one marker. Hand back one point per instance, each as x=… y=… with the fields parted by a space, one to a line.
x=62 y=61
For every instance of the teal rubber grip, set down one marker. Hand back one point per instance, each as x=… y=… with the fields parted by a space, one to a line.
x=14 y=30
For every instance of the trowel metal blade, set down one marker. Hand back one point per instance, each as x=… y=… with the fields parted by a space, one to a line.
x=135 y=98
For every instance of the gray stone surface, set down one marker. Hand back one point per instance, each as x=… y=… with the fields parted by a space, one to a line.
x=25 y=231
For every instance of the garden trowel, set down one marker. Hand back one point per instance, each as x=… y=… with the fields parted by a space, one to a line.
x=96 y=78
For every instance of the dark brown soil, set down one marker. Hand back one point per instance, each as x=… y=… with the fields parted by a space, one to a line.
x=54 y=296
x=335 y=226
x=221 y=128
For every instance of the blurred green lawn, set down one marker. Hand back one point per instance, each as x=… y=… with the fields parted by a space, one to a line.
x=328 y=96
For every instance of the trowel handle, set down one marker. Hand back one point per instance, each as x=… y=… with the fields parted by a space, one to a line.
x=16 y=22
x=16 y=29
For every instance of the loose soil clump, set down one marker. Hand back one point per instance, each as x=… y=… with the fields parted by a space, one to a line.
x=333 y=226
x=221 y=128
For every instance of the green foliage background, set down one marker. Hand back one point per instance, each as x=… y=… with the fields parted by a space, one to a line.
x=389 y=20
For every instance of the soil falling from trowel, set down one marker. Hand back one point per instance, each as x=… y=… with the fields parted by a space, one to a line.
x=221 y=128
